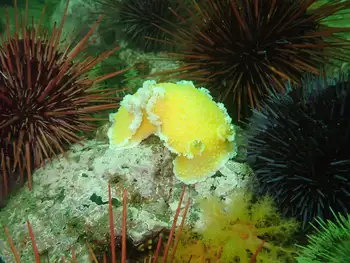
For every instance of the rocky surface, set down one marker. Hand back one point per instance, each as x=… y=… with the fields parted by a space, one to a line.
x=69 y=202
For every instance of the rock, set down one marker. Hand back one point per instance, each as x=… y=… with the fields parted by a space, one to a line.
x=80 y=18
x=69 y=202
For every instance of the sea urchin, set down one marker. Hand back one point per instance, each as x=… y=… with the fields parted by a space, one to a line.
x=45 y=96
x=298 y=147
x=244 y=48
x=331 y=242
x=141 y=19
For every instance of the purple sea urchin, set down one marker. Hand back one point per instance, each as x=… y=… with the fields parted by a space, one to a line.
x=45 y=96
x=244 y=48
x=298 y=146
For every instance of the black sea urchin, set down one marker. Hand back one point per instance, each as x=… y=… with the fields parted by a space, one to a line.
x=243 y=48
x=141 y=19
x=298 y=146
x=45 y=96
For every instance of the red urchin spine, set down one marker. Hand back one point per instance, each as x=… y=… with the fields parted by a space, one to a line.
x=123 y=252
x=222 y=36
x=46 y=95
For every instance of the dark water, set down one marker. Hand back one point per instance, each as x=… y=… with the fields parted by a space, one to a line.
x=10 y=3
x=6 y=3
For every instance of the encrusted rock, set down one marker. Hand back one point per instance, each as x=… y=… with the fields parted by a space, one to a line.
x=69 y=202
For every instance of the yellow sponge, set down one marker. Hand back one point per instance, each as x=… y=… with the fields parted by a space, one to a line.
x=185 y=118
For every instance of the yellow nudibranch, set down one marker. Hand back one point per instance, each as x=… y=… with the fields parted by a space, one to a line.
x=188 y=121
